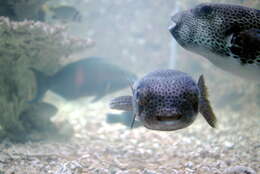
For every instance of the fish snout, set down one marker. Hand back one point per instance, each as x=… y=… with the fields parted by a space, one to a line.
x=175 y=24
x=175 y=20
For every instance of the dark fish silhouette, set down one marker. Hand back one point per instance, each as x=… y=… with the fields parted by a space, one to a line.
x=7 y=10
x=227 y=35
x=167 y=100
x=66 y=13
x=88 y=77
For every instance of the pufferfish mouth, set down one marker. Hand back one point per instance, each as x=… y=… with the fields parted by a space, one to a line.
x=168 y=119
x=172 y=26
x=175 y=20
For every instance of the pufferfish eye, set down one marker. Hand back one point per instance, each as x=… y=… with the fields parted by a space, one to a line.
x=203 y=10
x=140 y=97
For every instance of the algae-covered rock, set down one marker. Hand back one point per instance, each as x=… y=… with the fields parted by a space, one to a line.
x=38 y=126
x=37 y=117
x=24 y=45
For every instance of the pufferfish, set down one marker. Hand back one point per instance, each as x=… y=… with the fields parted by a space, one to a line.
x=227 y=35
x=167 y=100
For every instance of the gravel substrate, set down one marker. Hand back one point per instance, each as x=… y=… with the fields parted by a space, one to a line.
x=232 y=148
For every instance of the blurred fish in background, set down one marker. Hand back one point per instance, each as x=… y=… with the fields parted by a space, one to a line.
x=40 y=10
x=18 y=10
x=92 y=76
x=6 y=10
x=65 y=13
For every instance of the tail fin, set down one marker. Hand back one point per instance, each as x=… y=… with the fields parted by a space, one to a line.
x=122 y=103
x=124 y=118
x=113 y=118
x=204 y=104
x=42 y=85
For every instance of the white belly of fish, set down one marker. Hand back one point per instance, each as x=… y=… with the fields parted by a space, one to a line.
x=232 y=65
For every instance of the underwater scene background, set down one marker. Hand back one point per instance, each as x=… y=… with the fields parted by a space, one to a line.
x=61 y=62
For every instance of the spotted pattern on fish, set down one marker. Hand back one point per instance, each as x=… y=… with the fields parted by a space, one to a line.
x=223 y=33
x=167 y=100
x=161 y=91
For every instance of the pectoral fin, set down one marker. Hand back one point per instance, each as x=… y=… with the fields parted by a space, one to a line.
x=245 y=45
x=122 y=103
x=204 y=105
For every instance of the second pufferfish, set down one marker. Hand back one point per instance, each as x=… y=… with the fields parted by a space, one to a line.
x=167 y=100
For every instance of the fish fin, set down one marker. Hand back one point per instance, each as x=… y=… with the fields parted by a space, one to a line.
x=204 y=105
x=245 y=44
x=124 y=118
x=130 y=83
x=76 y=17
x=122 y=103
x=113 y=118
x=133 y=121
x=97 y=98
x=42 y=85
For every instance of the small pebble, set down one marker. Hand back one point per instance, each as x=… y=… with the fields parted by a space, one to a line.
x=149 y=172
x=239 y=170
x=229 y=145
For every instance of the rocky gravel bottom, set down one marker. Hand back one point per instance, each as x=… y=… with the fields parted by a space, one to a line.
x=98 y=147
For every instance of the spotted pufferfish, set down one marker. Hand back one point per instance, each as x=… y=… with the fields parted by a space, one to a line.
x=167 y=100
x=227 y=35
